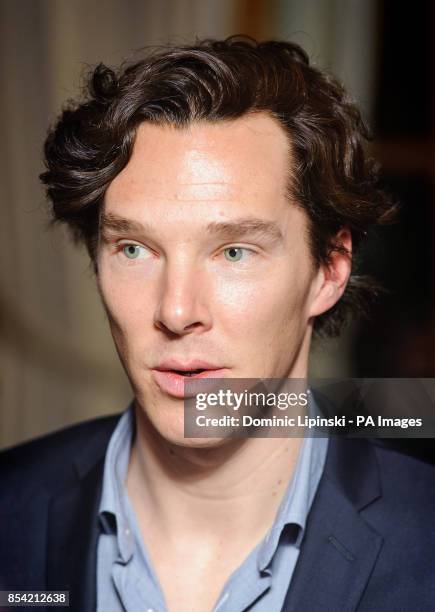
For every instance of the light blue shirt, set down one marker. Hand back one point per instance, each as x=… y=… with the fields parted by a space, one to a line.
x=126 y=581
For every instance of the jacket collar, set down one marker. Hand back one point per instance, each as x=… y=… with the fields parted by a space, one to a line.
x=353 y=467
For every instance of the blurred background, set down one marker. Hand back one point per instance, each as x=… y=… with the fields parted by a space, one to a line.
x=57 y=361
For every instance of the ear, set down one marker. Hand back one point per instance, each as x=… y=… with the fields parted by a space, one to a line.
x=332 y=277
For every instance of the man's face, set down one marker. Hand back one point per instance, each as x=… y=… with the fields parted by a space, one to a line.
x=203 y=263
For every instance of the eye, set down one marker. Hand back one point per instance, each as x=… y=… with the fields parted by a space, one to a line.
x=133 y=251
x=234 y=254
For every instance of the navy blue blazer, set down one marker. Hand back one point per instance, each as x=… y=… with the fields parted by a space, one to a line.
x=369 y=543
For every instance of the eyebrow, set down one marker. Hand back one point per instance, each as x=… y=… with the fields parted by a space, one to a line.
x=115 y=224
x=227 y=230
x=243 y=228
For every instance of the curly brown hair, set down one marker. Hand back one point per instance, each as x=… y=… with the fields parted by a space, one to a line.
x=332 y=178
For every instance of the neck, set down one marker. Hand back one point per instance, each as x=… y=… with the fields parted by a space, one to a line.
x=211 y=492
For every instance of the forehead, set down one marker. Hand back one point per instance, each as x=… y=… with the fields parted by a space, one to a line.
x=244 y=160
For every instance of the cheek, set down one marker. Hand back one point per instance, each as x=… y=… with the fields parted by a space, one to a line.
x=127 y=305
x=233 y=297
x=259 y=305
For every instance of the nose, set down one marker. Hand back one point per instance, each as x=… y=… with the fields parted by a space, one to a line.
x=182 y=307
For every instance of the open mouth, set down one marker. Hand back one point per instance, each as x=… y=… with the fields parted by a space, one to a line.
x=187 y=372
x=173 y=381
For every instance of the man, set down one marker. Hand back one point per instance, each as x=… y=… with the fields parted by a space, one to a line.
x=221 y=190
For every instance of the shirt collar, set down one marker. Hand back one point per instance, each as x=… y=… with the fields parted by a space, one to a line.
x=293 y=510
x=296 y=504
x=112 y=510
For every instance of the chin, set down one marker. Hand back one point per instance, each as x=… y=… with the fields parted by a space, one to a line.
x=198 y=443
x=173 y=433
x=166 y=422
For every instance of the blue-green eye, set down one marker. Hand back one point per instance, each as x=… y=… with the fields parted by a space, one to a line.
x=234 y=253
x=132 y=251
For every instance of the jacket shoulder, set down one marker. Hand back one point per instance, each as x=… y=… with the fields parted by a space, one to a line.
x=408 y=492
x=48 y=460
x=402 y=470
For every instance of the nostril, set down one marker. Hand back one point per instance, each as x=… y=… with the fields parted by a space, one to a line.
x=164 y=328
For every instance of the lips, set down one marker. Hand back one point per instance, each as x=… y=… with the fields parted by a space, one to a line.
x=171 y=376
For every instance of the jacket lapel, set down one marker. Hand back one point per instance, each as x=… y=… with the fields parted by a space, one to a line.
x=73 y=528
x=72 y=541
x=340 y=548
